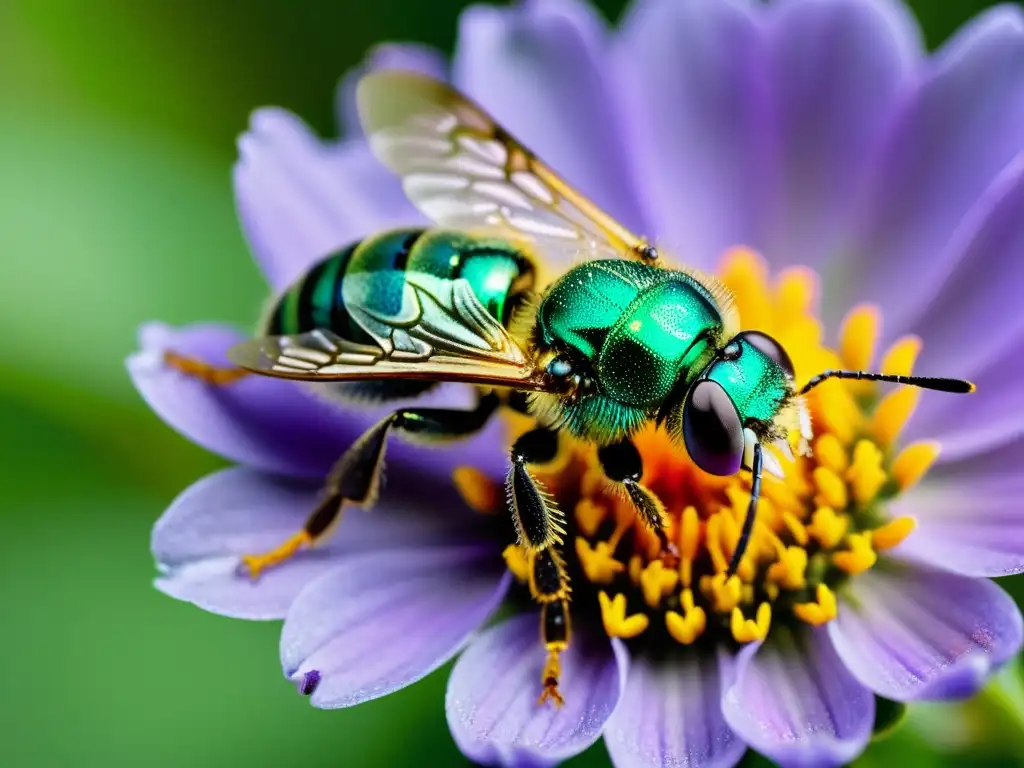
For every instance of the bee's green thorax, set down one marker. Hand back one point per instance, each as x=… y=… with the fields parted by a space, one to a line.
x=754 y=382
x=643 y=328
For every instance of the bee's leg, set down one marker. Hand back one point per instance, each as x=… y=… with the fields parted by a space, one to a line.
x=748 y=522
x=218 y=375
x=622 y=465
x=355 y=478
x=540 y=527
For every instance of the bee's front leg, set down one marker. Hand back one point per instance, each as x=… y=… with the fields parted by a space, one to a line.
x=355 y=478
x=540 y=526
x=622 y=465
x=217 y=375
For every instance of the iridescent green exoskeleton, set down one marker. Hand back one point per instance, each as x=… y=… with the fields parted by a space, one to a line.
x=616 y=342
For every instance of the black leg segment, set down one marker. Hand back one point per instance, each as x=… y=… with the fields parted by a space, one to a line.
x=538 y=520
x=622 y=464
x=748 y=522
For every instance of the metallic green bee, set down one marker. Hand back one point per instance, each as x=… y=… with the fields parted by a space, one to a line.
x=616 y=342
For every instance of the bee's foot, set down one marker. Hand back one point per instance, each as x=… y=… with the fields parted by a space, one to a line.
x=669 y=555
x=549 y=679
x=254 y=565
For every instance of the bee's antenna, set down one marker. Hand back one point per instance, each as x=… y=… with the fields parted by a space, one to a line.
x=955 y=386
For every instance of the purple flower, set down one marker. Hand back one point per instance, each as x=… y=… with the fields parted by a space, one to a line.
x=814 y=132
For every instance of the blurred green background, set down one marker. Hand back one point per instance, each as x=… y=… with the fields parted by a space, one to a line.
x=117 y=128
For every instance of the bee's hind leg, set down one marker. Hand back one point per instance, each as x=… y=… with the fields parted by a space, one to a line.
x=355 y=478
x=622 y=465
x=217 y=375
x=540 y=527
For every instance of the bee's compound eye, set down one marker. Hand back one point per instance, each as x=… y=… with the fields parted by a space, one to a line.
x=560 y=368
x=768 y=347
x=712 y=430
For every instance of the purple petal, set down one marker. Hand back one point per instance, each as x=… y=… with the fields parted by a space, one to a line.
x=671 y=714
x=916 y=633
x=410 y=57
x=838 y=69
x=199 y=540
x=300 y=199
x=492 y=695
x=949 y=141
x=279 y=426
x=383 y=620
x=696 y=80
x=540 y=68
x=989 y=419
x=794 y=701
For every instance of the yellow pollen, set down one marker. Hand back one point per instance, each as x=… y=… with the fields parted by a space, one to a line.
x=892 y=414
x=478 y=490
x=656 y=581
x=828 y=527
x=789 y=571
x=893 y=533
x=901 y=356
x=751 y=630
x=865 y=475
x=860 y=556
x=723 y=591
x=831 y=488
x=598 y=562
x=686 y=627
x=517 y=562
x=820 y=612
x=913 y=462
x=589 y=516
x=830 y=453
x=616 y=623
x=816 y=526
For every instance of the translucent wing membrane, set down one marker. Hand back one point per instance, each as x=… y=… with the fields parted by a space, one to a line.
x=464 y=171
x=441 y=332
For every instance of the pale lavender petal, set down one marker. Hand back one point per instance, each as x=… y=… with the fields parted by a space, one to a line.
x=915 y=633
x=838 y=69
x=540 y=68
x=381 y=621
x=671 y=715
x=958 y=131
x=409 y=57
x=300 y=198
x=974 y=528
x=199 y=540
x=696 y=81
x=492 y=695
x=280 y=426
x=990 y=418
x=794 y=701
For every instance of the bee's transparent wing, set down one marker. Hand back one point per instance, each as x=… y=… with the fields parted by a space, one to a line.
x=464 y=171
x=441 y=333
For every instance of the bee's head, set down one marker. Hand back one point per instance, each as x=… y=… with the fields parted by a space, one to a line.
x=738 y=397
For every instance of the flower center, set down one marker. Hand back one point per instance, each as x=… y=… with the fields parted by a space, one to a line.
x=821 y=524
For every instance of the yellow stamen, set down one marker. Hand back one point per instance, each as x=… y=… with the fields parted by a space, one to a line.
x=893 y=533
x=517 y=562
x=830 y=453
x=892 y=414
x=746 y=274
x=713 y=541
x=656 y=581
x=479 y=491
x=795 y=291
x=860 y=556
x=589 y=516
x=598 y=562
x=828 y=527
x=789 y=571
x=636 y=568
x=830 y=487
x=820 y=612
x=913 y=462
x=858 y=338
x=689 y=533
x=901 y=356
x=751 y=630
x=796 y=529
x=616 y=623
x=723 y=591
x=866 y=475
x=685 y=628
